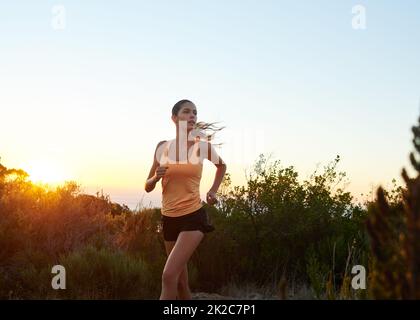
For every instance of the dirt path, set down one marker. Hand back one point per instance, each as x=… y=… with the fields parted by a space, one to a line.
x=215 y=296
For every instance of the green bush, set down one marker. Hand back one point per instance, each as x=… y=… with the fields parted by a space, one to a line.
x=104 y=274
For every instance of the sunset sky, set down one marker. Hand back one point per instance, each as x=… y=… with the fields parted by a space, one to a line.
x=88 y=97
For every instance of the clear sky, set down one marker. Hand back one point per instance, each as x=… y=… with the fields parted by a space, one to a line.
x=88 y=96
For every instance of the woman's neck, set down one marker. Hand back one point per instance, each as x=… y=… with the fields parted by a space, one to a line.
x=182 y=136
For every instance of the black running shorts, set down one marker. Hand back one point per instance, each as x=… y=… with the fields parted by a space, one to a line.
x=197 y=220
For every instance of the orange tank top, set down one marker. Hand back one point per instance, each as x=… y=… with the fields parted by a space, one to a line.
x=181 y=185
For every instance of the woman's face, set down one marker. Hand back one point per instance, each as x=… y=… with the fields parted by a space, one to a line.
x=188 y=113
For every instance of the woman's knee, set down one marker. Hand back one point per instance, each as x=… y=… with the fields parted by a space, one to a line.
x=170 y=276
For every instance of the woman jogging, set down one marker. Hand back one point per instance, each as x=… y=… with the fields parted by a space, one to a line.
x=179 y=163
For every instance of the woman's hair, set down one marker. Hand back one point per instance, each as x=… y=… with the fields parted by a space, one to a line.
x=208 y=129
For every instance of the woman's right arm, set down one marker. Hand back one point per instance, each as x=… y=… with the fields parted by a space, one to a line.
x=156 y=172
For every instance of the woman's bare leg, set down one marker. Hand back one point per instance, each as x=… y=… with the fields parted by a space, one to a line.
x=177 y=260
x=184 y=292
x=169 y=245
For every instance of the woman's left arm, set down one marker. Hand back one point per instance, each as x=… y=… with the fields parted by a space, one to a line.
x=220 y=172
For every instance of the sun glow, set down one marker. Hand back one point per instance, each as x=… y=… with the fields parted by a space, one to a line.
x=47 y=172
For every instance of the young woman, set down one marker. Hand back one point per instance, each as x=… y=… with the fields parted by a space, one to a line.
x=179 y=163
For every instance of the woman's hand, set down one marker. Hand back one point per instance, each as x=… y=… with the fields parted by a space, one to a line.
x=160 y=172
x=211 y=197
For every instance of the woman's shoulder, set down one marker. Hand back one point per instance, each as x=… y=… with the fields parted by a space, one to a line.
x=161 y=142
x=204 y=144
x=207 y=145
x=160 y=147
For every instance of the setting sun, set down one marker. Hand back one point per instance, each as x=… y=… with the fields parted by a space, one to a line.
x=46 y=172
